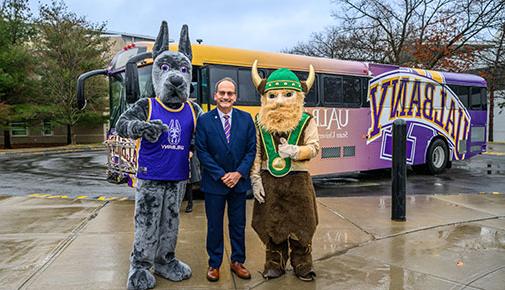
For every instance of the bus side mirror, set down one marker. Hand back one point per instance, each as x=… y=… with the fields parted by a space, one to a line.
x=81 y=98
x=132 y=89
x=132 y=83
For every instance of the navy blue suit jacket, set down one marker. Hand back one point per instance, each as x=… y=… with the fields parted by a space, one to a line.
x=217 y=157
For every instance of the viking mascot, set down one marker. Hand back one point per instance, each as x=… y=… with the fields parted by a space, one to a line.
x=285 y=213
x=165 y=126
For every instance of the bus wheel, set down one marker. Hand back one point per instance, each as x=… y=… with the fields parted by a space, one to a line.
x=438 y=157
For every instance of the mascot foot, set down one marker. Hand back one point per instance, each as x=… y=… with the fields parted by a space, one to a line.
x=272 y=273
x=310 y=276
x=174 y=270
x=140 y=279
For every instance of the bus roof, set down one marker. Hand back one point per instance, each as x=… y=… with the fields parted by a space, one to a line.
x=242 y=57
x=449 y=78
x=207 y=54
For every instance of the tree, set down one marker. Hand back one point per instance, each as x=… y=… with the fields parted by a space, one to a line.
x=67 y=46
x=493 y=59
x=433 y=34
x=18 y=83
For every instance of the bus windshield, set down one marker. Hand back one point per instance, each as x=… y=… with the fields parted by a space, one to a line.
x=118 y=102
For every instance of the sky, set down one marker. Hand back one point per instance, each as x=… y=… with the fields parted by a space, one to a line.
x=266 y=25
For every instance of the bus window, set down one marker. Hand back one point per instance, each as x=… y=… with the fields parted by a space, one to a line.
x=205 y=88
x=116 y=92
x=247 y=94
x=462 y=93
x=311 y=99
x=332 y=90
x=352 y=88
x=483 y=98
x=364 y=93
x=475 y=99
x=145 y=82
x=217 y=73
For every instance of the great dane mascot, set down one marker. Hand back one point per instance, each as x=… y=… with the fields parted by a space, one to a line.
x=165 y=126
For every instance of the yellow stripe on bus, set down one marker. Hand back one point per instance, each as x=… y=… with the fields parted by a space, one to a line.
x=420 y=71
x=437 y=76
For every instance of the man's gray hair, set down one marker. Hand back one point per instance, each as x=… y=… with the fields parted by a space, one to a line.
x=225 y=79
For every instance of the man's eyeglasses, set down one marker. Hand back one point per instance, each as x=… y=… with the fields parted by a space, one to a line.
x=223 y=93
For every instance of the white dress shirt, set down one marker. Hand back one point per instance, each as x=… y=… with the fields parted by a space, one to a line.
x=221 y=116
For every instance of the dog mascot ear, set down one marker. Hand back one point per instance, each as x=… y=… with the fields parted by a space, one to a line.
x=184 y=43
x=162 y=41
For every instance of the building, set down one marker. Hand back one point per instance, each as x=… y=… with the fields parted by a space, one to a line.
x=44 y=133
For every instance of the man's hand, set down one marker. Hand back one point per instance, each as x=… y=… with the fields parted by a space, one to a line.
x=231 y=179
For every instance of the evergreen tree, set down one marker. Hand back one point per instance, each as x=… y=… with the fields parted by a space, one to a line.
x=18 y=83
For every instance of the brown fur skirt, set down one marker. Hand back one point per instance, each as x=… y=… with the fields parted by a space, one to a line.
x=289 y=210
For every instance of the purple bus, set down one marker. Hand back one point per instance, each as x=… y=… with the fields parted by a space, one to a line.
x=353 y=103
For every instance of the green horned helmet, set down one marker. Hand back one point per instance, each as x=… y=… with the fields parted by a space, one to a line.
x=282 y=78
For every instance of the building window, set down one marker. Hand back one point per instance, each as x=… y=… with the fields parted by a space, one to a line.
x=19 y=129
x=47 y=128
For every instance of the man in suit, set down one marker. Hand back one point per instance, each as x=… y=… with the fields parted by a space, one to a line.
x=226 y=147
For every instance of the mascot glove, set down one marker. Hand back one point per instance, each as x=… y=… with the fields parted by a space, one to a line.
x=258 y=191
x=287 y=150
x=151 y=130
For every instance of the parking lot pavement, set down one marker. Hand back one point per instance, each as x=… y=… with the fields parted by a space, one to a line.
x=448 y=241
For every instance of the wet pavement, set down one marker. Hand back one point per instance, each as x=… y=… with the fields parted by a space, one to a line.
x=73 y=174
x=74 y=238
x=447 y=242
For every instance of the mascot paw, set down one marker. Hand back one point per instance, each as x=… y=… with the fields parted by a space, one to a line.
x=175 y=270
x=140 y=279
x=153 y=130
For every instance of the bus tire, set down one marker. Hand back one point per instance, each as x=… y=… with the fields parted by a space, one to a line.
x=438 y=157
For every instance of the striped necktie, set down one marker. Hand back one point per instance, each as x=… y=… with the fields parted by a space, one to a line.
x=227 y=127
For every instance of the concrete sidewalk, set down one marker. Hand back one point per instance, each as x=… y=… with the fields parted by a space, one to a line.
x=447 y=242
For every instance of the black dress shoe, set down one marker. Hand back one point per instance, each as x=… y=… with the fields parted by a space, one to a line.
x=189 y=207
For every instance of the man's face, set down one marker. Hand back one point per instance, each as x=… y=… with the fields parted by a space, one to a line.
x=225 y=96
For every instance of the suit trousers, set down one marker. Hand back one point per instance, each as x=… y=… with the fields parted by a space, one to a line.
x=214 y=209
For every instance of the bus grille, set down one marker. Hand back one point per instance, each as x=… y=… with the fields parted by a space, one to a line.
x=330 y=152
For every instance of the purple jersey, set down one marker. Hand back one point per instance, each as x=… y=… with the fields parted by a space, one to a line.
x=168 y=158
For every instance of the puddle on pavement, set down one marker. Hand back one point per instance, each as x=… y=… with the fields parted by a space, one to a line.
x=474 y=237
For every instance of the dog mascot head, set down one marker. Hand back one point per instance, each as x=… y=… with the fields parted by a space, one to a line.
x=172 y=70
x=282 y=98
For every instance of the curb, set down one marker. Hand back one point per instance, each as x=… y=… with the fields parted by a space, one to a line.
x=50 y=150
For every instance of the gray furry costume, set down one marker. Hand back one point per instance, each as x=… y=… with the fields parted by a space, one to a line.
x=157 y=202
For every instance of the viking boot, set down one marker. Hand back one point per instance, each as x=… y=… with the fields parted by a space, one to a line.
x=276 y=258
x=301 y=260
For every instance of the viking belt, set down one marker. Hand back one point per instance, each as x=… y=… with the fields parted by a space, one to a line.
x=278 y=166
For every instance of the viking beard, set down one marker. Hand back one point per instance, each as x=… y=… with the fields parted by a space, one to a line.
x=279 y=118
